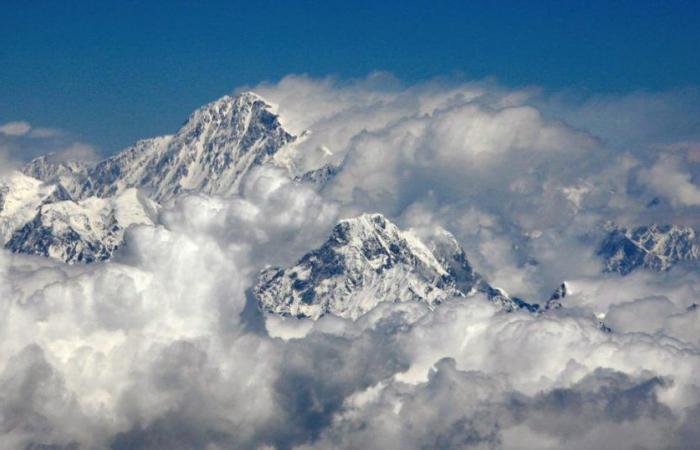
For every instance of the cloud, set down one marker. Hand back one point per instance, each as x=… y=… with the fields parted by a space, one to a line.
x=631 y=121
x=548 y=169
x=466 y=409
x=44 y=133
x=18 y=128
x=667 y=178
x=161 y=359
x=23 y=128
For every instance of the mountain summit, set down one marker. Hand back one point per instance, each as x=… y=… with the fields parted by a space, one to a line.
x=210 y=154
x=367 y=260
x=218 y=144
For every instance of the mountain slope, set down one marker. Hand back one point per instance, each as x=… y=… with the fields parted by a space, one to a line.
x=367 y=260
x=86 y=231
x=69 y=174
x=319 y=177
x=21 y=197
x=210 y=154
x=654 y=247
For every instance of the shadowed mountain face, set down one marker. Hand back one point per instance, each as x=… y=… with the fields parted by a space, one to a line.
x=654 y=247
x=367 y=260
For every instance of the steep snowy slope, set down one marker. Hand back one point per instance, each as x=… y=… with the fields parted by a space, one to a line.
x=86 y=231
x=20 y=199
x=368 y=260
x=210 y=154
x=69 y=174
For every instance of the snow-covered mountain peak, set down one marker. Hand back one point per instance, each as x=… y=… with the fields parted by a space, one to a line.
x=211 y=153
x=86 y=231
x=46 y=166
x=230 y=111
x=68 y=174
x=367 y=260
x=375 y=230
x=20 y=198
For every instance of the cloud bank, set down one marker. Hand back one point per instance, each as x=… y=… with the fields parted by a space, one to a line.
x=162 y=347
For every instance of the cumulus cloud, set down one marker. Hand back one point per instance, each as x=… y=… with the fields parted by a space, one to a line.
x=631 y=121
x=548 y=169
x=134 y=340
x=162 y=347
x=667 y=178
x=483 y=379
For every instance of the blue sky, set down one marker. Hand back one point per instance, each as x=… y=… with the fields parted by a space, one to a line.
x=117 y=71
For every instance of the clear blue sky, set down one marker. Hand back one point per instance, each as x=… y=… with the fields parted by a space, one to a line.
x=115 y=71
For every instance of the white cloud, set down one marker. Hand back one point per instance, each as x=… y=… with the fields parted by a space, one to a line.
x=44 y=133
x=22 y=128
x=667 y=178
x=17 y=128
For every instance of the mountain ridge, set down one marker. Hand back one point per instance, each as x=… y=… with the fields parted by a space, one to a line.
x=82 y=232
x=210 y=153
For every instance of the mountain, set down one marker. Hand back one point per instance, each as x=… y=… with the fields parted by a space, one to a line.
x=212 y=151
x=218 y=144
x=86 y=231
x=654 y=247
x=68 y=174
x=559 y=294
x=21 y=197
x=211 y=154
x=367 y=260
x=319 y=177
